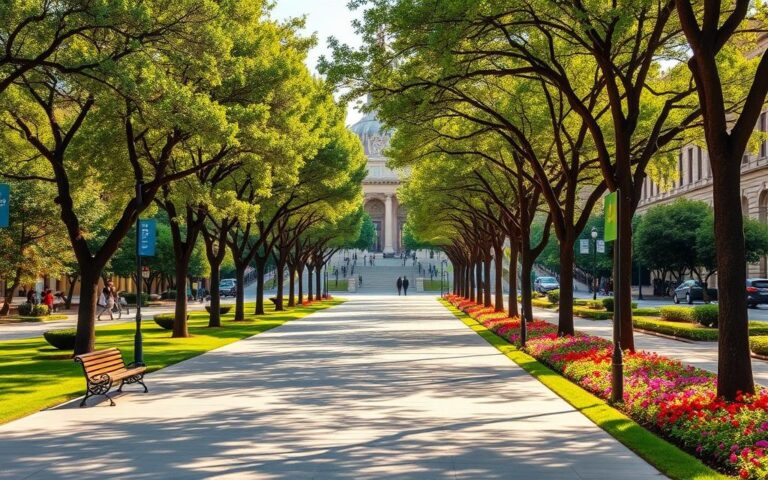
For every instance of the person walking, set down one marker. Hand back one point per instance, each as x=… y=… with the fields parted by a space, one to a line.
x=106 y=302
x=31 y=296
x=405 y=286
x=399 y=285
x=48 y=300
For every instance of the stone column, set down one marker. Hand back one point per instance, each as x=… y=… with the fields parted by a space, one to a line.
x=388 y=228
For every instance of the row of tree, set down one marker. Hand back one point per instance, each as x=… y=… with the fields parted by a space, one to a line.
x=516 y=109
x=197 y=110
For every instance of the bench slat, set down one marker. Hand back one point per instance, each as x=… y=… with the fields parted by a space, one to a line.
x=102 y=361
x=97 y=353
x=128 y=373
x=110 y=370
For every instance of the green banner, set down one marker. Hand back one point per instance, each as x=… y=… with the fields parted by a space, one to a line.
x=611 y=215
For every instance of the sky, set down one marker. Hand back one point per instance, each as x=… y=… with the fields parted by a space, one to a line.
x=324 y=18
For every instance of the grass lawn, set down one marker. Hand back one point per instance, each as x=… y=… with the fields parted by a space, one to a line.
x=34 y=375
x=433 y=285
x=667 y=458
x=23 y=318
x=340 y=287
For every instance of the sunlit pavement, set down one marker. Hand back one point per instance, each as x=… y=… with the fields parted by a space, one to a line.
x=379 y=387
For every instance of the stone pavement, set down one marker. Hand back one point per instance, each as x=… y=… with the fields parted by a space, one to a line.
x=698 y=354
x=379 y=387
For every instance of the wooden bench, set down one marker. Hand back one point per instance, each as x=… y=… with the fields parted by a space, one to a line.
x=104 y=368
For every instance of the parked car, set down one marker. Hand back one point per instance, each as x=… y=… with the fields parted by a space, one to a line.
x=691 y=291
x=228 y=287
x=545 y=284
x=757 y=291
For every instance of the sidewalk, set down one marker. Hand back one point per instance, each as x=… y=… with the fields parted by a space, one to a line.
x=379 y=387
x=698 y=354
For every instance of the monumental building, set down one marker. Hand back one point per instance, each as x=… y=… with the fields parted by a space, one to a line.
x=380 y=187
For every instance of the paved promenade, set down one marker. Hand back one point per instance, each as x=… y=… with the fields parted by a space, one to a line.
x=379 y=387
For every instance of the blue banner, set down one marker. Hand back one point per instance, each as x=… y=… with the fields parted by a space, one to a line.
x=5 y=205
x=147 y=237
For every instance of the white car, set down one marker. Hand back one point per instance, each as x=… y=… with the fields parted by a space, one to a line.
x=545 y=284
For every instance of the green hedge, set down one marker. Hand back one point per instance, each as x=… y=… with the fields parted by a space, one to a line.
x=608 y=303
x=63 y=339
x=592 y=314
x=131 y=298
x=541 y=303
x=554 y=296
x=646 y=312
x=677 y=314
x=759 y=344
x=706 y=315
x=687 y=330
x=30 y=310
x=223 y=309
x=165 y=320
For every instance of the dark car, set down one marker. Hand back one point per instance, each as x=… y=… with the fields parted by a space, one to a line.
x=757 y=291
x=691 y=291
x=228 y=287
x=545 y=284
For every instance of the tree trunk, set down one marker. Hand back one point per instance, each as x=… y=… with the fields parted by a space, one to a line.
x=471 y=274
x=499 y=272
x=180 y=329
x=240 y=291
x=9 y=292
x=279 y=272
x=479 y=283
x=513 y=254
x=71 y=291
x=214 y=320
x=623 y=284
x=260 y=269
x=525 y=284
x=300 y=274
x=487 y=283
x=565 y=314
x=86 y=312
x=319 y=281
x=291 y=286
x=310 y=269
x=734 y=364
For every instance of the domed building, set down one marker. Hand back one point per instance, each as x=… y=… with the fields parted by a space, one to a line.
x=380 y=186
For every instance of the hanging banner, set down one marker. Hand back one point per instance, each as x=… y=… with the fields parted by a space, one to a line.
x=611 y=217
x=601 y=246
x=583 y=246
x=5 y=205
x=147 y=237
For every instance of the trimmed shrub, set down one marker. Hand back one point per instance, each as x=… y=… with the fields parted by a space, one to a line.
x=541 y=303
x=223 y=309
x=131 y=298
x=676 y=329
x=592 y=314
x=61 y=339
x=608 y=303
x=554 y=296
x=759 y=345
x=596 y=305
x=676 y=314
x=29 y=310
x=646 y=312
x=165 y=320
x=705 y=315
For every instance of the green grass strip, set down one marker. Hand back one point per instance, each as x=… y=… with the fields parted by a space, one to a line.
x=34 y=375
x=664 y=456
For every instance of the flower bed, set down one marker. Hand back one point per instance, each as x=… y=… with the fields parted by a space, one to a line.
x=679 y=402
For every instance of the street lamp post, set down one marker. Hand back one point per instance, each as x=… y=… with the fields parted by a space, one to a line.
x=594 y=262
x=138 y=343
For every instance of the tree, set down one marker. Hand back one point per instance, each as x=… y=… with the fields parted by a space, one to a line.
x=32 y=245
x=367 y=236
x=718 y=63
x=755 y=244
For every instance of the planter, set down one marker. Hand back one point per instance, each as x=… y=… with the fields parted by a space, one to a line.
x=61 y=339
x=223 y=309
